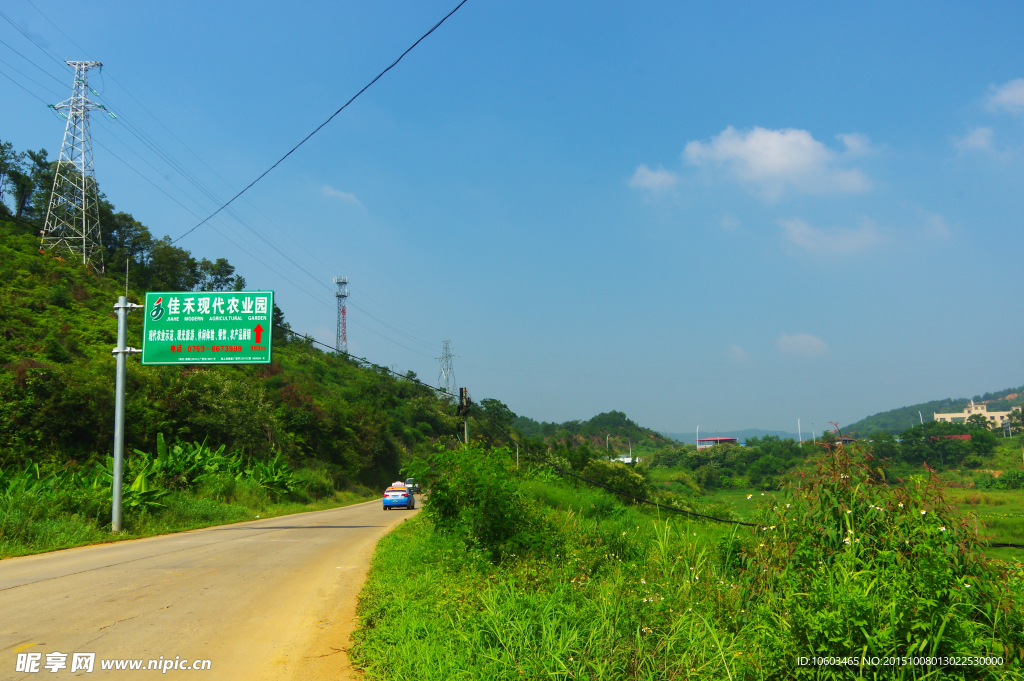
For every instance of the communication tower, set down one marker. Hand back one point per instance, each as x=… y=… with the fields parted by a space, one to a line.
x=341 y=336
x=72 y=217
x=446 y=379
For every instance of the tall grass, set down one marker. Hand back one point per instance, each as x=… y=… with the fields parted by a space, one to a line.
x=617 y=592
x=186 y=486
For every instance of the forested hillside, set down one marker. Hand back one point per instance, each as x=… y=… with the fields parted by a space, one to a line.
x=56 y=390
x=896 y=421
x=57 y=327
x=612 y=429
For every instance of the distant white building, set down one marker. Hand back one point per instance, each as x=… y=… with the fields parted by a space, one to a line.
x=994 y=418
x=712 y=441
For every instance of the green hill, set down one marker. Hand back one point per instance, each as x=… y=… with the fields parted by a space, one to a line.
x=612 y=428
x=57 y=328
x=895 y=421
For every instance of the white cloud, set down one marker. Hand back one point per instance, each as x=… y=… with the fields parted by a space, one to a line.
x=775 y=161
x=657 y=181
x=834 y=241
x=346 y=197
x=738 y=354
x=729 y=222
x=935 y=225
x=977 y=139
x=856 y=144
x=1008 y=97
x=801 y=344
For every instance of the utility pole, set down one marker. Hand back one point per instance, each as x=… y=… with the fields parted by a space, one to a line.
x=341 y=335
x=464 y=406
x=72 y=217
x=446 y=378
x=121 y=352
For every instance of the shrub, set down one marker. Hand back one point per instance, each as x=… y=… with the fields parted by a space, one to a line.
x=474 y=495
x=619 y=477
x=912 y=575
x=60 y=296
x=315 y=482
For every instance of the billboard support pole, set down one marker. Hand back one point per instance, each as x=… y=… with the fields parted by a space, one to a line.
x=121 y=352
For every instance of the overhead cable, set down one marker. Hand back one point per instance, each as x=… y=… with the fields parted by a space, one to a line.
x=329 y=119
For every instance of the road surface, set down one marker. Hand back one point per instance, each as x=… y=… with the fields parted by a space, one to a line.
x=267 y=599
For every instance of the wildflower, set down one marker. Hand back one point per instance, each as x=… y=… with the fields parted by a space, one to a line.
x=849 y=511
x=749 y=495
x=942 y=529
x=787 y=505
x=623 y=534
x=967 y=585
x=901 y=504
x=643 y=581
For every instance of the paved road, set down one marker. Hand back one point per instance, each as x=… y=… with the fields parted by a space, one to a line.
x=268 y=599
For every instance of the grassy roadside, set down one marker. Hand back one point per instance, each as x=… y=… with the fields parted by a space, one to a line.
x=29 y=528
x=584 y=587
x=1000 y=512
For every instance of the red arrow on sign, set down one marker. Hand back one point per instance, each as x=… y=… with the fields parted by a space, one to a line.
x=257 y=332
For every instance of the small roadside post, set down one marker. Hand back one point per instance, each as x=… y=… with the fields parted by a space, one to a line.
x=465 y=403
x=121 y=352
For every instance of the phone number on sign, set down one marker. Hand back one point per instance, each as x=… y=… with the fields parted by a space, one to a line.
x=962 y=661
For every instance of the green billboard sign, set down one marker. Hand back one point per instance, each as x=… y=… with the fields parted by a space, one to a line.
x=208 y=327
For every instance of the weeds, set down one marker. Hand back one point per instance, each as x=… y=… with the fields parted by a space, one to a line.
x=602 y=590
x=186 y=485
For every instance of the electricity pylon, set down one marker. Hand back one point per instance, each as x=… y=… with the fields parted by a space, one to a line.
x=73 y=217
x=446 y=379
x=341 y=335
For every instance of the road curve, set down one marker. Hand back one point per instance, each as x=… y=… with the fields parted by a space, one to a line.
x=266 y=599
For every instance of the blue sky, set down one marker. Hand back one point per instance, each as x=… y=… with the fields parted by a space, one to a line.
x=731 y=215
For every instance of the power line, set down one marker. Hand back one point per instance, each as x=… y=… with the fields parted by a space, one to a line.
x=190 y=211
x=32 y=63
x=30 y=78
x=329 y=119
x=22 y=87
x=44 y=50
x=167 y=158
x=414 y=339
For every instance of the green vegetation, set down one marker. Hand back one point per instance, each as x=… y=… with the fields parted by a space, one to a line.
x=895 y=421
x=760 y=464
x=559 y=580
x=185 y=486
x=327 y=425
x=611 y=431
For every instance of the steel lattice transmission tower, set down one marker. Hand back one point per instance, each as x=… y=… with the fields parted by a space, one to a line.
x=446 y=379
x=341 y=336
x=73 y=218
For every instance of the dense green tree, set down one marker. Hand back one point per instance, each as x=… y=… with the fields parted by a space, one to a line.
x=979 y=422
x=939 y=443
